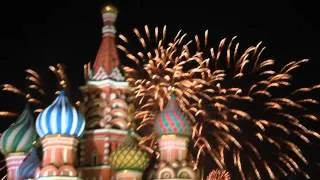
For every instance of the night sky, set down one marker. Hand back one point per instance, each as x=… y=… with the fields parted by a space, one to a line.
x=38 y=34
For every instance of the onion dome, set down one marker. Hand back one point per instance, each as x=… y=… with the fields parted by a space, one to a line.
x=29 y=165
x=128 y=156
x=60 y=118
x=172 y=121
x=20 y=135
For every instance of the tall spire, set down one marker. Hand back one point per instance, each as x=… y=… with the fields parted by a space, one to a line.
x=107 y=58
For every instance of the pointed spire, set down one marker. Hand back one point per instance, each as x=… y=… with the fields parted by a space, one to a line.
x=107 y=58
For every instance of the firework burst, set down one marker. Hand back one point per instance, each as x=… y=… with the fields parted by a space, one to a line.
x=245 y=113
x=34 y=94
x=161 y=73
x=218 y=175
x=32 y=91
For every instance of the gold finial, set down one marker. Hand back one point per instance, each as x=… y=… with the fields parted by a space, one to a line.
x=109 y=8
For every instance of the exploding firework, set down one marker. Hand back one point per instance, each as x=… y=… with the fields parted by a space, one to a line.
x=245 y=113
x=218 y=175
x=34 y=94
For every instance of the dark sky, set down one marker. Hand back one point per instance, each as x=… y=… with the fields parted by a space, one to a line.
x=38 y=34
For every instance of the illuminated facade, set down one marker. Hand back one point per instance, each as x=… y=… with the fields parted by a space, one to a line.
x=93 y=143
x=180 y=109
x=104 y=105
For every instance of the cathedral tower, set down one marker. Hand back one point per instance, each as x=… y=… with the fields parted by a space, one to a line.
x=104 y=104
x=17 y=141
x=59 y=126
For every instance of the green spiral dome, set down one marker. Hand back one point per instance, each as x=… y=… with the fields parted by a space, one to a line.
x=129 y=156
x=19 y=137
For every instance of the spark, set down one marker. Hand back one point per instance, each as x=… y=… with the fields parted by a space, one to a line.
x=218 y=174
x=228 y=82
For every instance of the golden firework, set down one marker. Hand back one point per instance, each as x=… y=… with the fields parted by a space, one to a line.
x=34 y=92
x=231 y=96
x=218 y=174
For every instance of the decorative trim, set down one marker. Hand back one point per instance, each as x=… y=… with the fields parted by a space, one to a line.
x=108 y=83
x=59 y=178
x=129 y=174
x=109 y=17
x=94 y=167
x=173 y=179
x=109 y=29
x=115 y=131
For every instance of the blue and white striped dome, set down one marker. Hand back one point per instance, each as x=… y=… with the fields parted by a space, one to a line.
x=60 y=118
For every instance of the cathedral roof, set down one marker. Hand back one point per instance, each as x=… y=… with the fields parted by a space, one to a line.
x=172 y=121
x=20 y=136
x=107 y=58
x=29 y=165
x=129 y=156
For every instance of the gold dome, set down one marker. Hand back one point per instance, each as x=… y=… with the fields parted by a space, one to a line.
x=129 y=156
x=109 y=8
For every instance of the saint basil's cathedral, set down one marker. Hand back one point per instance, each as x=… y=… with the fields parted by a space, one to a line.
x=95 y=141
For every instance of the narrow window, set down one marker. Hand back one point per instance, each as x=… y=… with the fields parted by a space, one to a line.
x=94 y=158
